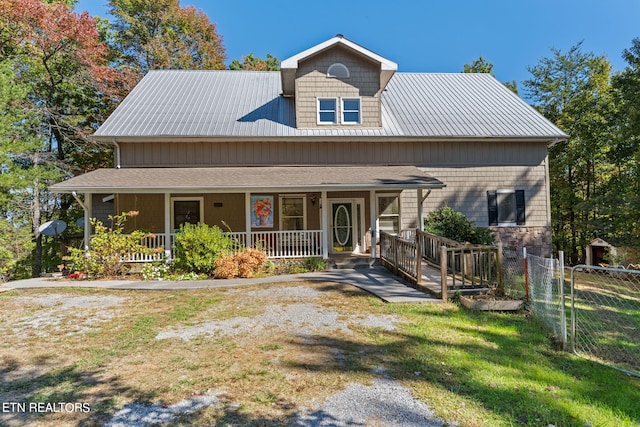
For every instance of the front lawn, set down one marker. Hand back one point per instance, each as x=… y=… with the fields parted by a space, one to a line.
x=267 y=352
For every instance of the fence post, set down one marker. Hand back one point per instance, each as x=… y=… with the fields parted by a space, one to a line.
x=563 y=311
x=499 y=268
x=443 y=273
x=526 y=275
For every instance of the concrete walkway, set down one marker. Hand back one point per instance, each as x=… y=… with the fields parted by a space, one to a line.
x=376 y=280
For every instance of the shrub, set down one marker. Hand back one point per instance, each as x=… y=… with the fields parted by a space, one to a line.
x=225 y=267
x=314 y=264
x=108 y=247
x=243 y=264
x=15 y=246
x=155 y=271
x=198 y=246
x=449 y=223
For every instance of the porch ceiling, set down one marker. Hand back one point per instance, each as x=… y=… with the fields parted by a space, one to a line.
x=254 y=179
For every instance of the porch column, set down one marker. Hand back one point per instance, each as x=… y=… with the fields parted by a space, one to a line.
x=420 y=210
x=247 y=219
x=374 y=223
x=167 y=225
x=324 y=209
x=88 y=212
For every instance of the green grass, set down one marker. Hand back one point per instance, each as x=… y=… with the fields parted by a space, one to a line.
x=501 y=370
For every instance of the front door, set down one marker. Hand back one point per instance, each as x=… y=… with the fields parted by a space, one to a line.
x=346 y=225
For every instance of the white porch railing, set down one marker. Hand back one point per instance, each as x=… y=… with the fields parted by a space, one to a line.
x=276 y=244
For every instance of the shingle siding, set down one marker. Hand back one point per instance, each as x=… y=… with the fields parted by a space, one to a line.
x=312 y=82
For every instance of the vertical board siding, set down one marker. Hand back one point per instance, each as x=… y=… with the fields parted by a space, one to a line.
x=419 y=153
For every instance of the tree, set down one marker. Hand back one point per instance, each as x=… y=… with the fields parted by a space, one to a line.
x=251 y=63
x=573 y=90
x=625 y=153
x=159 y=34
x=55 y=56
x=27 y=167
x=481 y=65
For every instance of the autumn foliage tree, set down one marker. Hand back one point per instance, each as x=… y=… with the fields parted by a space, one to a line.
x=159 y=34
x=57 y=56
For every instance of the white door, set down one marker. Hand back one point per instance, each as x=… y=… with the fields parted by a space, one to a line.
x=346 y=225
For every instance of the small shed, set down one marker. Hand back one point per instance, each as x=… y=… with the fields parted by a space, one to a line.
x=602 y=253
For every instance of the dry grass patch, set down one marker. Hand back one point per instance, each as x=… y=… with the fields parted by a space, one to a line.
x=264 y=352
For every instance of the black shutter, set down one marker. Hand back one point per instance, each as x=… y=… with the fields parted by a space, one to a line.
x=492 y=201
x=520 y=214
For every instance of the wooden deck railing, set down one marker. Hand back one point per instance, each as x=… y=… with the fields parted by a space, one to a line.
x=462 y=266
x=401 y=256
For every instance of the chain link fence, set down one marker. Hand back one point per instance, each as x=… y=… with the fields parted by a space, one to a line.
x=605 y=316
x=546 y=294
x=513 y=271
x=595 y=314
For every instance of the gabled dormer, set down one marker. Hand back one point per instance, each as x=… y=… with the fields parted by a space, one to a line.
x=336 y=84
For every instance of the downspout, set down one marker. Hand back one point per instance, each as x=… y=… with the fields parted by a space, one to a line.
x=117 y=153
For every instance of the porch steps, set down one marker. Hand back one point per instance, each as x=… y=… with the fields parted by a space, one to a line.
x=349 y=262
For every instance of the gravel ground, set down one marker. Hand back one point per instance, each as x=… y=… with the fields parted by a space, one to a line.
x=53 y=310
x=302 y=318
x=385 y=403
x=290 y=309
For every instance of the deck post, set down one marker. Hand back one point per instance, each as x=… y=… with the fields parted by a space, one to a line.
x=374 y=220
x=443 y=273
x=418 y=257
x=88 y=205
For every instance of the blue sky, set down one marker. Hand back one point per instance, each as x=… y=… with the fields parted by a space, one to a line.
x=424 y=35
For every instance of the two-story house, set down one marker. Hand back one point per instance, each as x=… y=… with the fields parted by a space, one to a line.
x=316 y=158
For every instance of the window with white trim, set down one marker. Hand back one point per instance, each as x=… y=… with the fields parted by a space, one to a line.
x=506 y=207
x=338 y=70
x=389 y=213
x=350 y=110
x=293 y=212
x=327 y=110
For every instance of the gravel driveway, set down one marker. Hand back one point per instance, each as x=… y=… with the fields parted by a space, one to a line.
x=386 y=402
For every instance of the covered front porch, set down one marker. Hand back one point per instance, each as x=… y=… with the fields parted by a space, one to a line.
x=288 y=212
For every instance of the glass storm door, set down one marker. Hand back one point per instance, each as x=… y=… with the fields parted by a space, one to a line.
x=186 y=211
x=342 y=227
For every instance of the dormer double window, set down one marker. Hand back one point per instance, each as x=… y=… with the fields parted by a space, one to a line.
x=350 y=111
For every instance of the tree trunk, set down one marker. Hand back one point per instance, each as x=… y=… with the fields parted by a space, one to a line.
x=36 y=268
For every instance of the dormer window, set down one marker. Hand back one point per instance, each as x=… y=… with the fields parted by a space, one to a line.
x=327 y=111
x=338 y=70
x=351 y=111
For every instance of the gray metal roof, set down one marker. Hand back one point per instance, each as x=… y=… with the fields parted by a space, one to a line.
x=179 y=103
x=229 y=179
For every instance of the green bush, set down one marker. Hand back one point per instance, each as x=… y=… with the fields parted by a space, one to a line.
x=15 y=246
x=108 y=247
x=449 y=223
x=198 y=246
x=314 y=264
